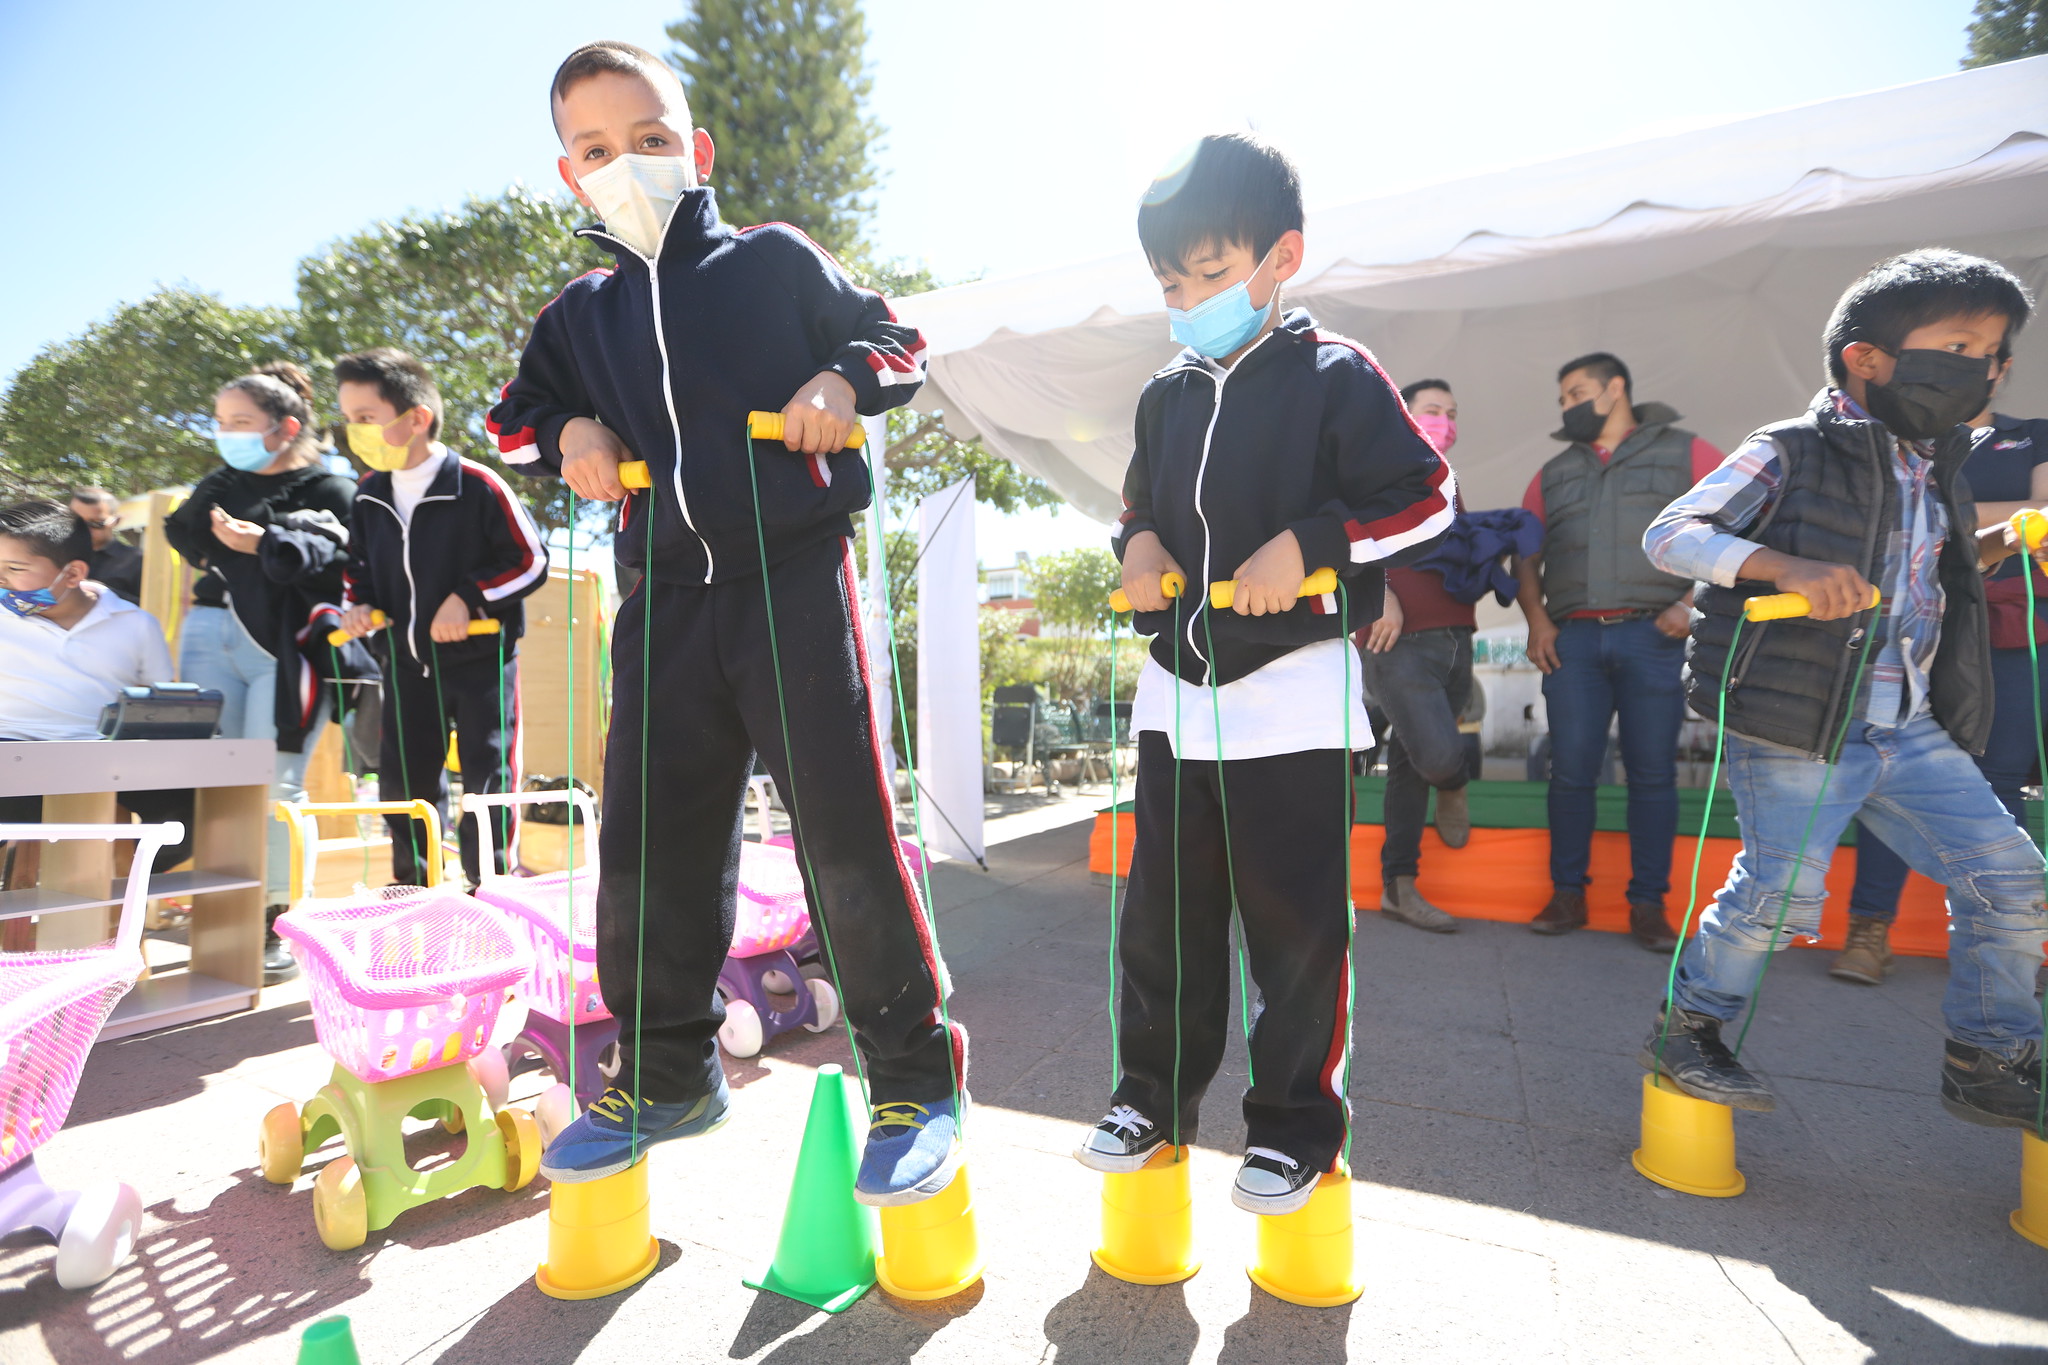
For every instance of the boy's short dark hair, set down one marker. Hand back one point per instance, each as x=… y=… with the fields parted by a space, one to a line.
x=1603 y=366
x=607 y=54
x=1409 y=391
x=401 y=379
x=50 y=530
x=1230 y=189
x=1900 y=296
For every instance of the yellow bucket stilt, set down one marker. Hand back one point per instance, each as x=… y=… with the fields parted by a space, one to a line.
x=2030 y=1219
x=930 y=1250
x=1688 y=1144
x=1148 y=1222
x=598 y=1238
x=1306 y=1256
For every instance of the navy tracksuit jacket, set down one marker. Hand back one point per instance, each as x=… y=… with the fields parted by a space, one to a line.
x=469 y=536
x=671 y=352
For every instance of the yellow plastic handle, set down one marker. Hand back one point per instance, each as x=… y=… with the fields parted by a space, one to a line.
x=762 y=426
x=2031 y=527
x=1779 y=606
x=767 y=426
x=1222 y=595
x=1171 y=584
x=297 y=817
x=380 y=620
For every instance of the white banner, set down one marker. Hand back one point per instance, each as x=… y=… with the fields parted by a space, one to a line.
x=949 y=673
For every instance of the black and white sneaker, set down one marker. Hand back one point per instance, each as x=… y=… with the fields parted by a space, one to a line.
x=1272 y=1182
x=1123 y=1142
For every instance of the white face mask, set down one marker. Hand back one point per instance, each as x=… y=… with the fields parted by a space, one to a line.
x=635 y=195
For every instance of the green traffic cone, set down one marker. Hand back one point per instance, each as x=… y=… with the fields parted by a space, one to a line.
x=329 y=1342
x=826 y=1255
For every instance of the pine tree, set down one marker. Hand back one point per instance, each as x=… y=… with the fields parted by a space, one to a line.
x=780 y=86
x=2006 y=30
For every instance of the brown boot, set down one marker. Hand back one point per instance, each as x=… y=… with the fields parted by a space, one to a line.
x=1566 y=912
x=1866 y=958
x=1647 y=924
x=1400 y=900
x=1453 y=818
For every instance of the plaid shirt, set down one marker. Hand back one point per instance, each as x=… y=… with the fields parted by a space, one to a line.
x=1699 y=536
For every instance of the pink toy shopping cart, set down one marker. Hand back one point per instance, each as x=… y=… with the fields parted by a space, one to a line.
x=52 y=1004
x=406 y=984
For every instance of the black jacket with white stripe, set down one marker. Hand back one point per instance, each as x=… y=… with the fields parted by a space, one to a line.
x=673 y=351
x=1305 y=433
x=469 y=535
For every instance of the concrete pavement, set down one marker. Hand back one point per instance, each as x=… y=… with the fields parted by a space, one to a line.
x=1498 y=1215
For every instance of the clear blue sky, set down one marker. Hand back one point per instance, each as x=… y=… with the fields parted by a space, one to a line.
x=213 y=143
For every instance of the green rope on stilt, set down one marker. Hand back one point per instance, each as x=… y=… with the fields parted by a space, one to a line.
x=2041 y=756
x=1244 y=1007
x=1116 y=1056
x=1344 y=832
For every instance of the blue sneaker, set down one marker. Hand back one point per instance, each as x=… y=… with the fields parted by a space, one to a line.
x=913 y=1151
x=600 y=1142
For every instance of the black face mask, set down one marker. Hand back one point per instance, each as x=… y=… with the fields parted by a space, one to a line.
x=1930 y=392
x=1581 y=423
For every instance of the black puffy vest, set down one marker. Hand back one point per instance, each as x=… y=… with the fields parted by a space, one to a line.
x=1790 y=681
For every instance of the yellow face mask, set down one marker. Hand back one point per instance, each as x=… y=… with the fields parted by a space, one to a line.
x=366 y=439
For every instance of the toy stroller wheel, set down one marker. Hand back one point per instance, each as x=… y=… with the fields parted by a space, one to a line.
x=281 y=1145
x=522 y=1147
x=741 y=1031
x=554 y=1111
x=98 y=1235
x=827 y=1001
x=455 y=1122
x=490 y=1072
x=608 y=1062
x=777 y=982
x=341 y=1211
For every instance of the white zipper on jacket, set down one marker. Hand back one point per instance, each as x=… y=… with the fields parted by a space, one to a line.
x=668 y=395
x=412 y=587
x=1201 y=469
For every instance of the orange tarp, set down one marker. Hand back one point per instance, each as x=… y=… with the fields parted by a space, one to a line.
x=1504 y=874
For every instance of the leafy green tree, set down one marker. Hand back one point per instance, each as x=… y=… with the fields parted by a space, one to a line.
x=780 y=86
x=128 y=402
x=459 y=289
x=1072 y=589
x=2006 y=30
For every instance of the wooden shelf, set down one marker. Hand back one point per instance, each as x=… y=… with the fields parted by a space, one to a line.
x=194 y=883
x=175 y=998
x=38 y=900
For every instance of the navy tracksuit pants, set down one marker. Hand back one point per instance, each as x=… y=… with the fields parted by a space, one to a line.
x=1287 y=828
x=698 y=660
x=471 y=689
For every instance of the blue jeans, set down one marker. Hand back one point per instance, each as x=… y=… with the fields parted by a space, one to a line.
x=1633 y=670
x=215 y=651
x=2007 y=762
x=1923 y=795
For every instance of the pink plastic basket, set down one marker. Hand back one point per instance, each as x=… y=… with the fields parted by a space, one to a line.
x=563 y=939
x=771 y=911
x=405 y=979
x=51 y=1007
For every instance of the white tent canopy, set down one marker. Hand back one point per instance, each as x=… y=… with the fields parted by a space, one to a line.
x=1708 y=260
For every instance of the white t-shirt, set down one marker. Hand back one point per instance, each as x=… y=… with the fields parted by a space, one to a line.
x=54 y=681
x=1293 y=704
x=408 y=486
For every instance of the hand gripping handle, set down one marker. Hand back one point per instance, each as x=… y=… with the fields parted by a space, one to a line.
x=1171 y=584
x=379 y=620
x=762 y=426
x=1222 y=595
x=1779 y=606
x=2031 y=527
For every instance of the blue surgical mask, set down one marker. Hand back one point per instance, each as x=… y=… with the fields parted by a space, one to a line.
x=244 y=450
x=33 y=602
x=1223 y=322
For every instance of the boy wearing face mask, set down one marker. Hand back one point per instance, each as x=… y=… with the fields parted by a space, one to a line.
x=1268 y=450
x=1864 y=489
x=660 y=359
x=436 y=541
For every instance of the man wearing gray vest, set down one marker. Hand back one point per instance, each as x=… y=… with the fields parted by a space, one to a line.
x=1608 y=631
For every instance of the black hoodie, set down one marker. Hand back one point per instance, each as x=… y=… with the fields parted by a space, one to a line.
x=1306 y=433
x=673 y=351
